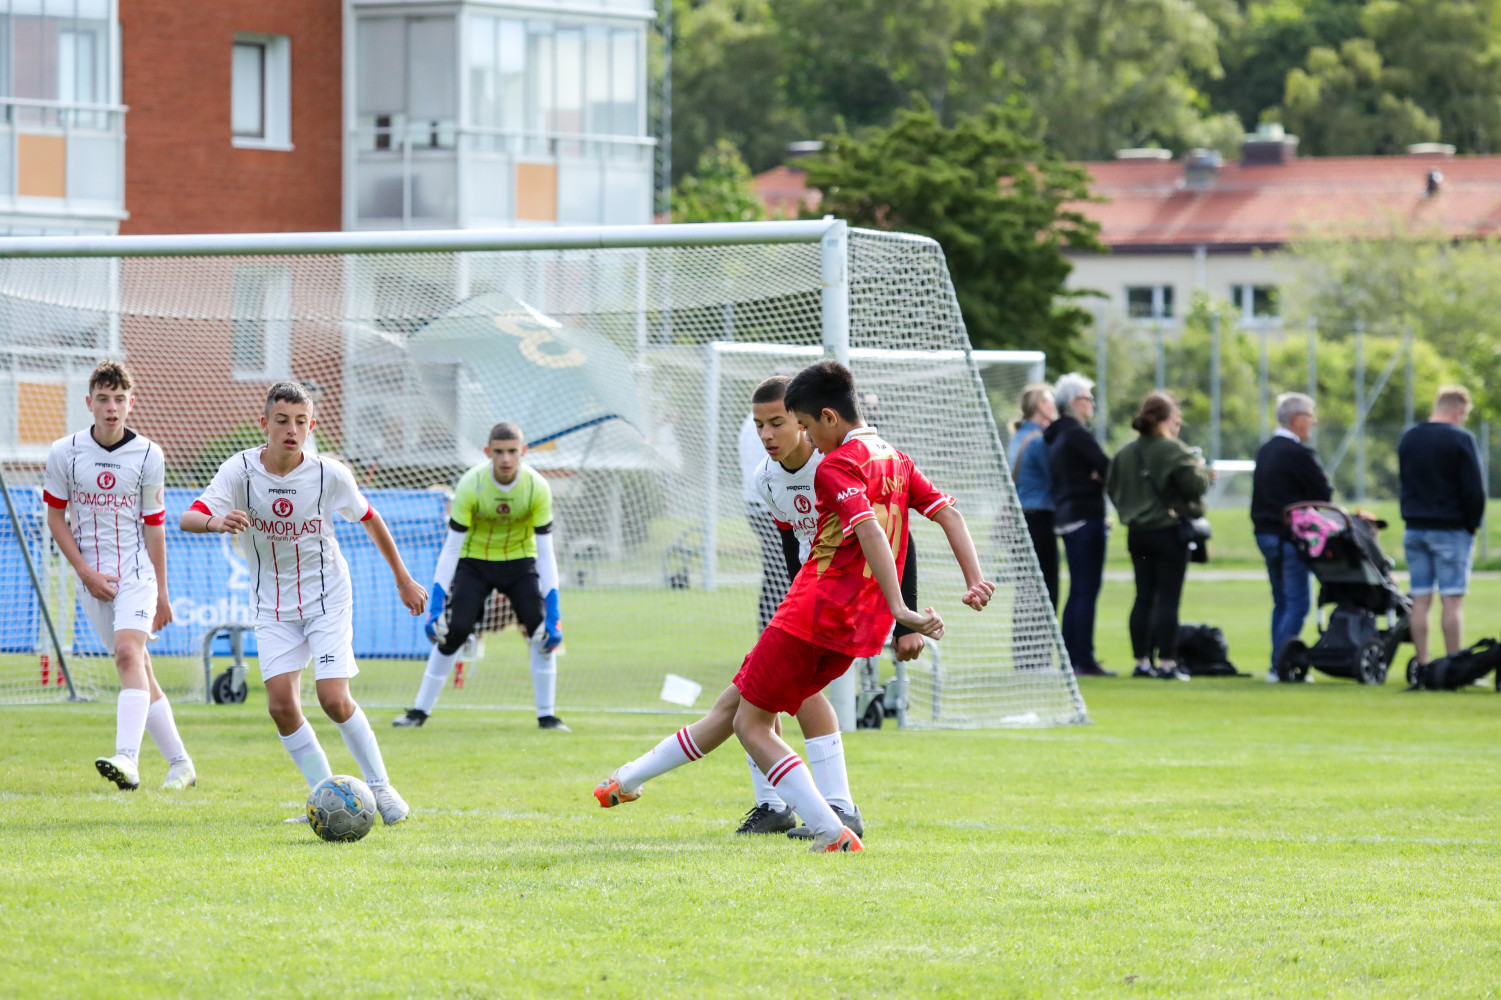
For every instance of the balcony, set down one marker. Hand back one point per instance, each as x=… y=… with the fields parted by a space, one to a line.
x=62 y=165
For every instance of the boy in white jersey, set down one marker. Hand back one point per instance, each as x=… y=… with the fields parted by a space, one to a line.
x=109 y=481
x=285 y=500
x=784 y=482
x=499 y=538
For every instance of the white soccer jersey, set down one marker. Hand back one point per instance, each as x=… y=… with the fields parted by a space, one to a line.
x=790 y=497
x=294 y=559
x=110 y=493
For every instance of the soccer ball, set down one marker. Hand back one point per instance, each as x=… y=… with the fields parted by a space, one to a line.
x=341 y=808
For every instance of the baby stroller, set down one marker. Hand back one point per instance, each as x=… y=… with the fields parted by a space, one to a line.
x=1355 y=576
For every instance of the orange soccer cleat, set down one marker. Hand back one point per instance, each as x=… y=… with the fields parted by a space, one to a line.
x=611 y=793
x=846 y=842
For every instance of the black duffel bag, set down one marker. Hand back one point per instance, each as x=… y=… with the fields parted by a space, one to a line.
x=1450 y=673
x=1203 y=652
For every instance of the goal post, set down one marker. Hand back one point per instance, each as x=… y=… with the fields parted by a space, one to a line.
x=626 y=354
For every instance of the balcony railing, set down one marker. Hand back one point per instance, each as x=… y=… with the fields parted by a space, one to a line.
x=72 y=152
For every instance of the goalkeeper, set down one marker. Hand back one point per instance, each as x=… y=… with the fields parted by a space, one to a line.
x=499 y=538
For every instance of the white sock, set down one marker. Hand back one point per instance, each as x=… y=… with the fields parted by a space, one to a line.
x=307 y=754
x=765 y=794
x=793 y=782
x=826 y=761
x=360 y=739
x=675 y=751
x=163 y=730
x=439 y=666
x=544 y=678
x=130 y=721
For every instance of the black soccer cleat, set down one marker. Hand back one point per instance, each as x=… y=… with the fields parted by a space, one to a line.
x=854 y=822
x=552 y=722
x=413 y=717
x=764 y=819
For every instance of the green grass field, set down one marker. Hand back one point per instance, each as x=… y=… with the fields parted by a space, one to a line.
x=1219 y=838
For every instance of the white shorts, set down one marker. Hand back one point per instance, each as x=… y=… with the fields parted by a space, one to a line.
x=327 y=640
x=133 y=608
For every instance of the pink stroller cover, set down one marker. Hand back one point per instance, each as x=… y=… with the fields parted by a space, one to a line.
x=1314 y=527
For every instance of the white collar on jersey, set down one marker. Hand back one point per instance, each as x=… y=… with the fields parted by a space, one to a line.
x=505 y=487
x=864 y=429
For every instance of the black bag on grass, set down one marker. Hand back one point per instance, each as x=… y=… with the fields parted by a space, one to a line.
x=1450 y=673
x=1203 y=652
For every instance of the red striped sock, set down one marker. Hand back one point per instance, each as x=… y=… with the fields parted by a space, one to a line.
x=795 y=785
x=673 y=752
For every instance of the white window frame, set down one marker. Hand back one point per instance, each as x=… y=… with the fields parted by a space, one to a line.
x=1162 y=310
x=1244 y=298
x=276 y=99
x=276 y=334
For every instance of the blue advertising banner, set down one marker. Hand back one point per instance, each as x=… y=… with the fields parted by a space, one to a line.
x=210 y=584
x=21 y=624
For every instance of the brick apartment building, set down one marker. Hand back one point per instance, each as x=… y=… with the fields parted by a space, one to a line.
x=150 y=116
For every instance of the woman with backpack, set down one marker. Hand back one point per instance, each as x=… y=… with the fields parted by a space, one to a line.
x=1157 y=485
x=1027 y=454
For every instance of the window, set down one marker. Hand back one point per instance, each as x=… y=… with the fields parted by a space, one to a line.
x=261 y=324
x=260 y=102
x=406 y=83
x=1149 y=301
x=1255 y=301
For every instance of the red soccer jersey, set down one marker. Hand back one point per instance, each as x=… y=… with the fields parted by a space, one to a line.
x=835 y=601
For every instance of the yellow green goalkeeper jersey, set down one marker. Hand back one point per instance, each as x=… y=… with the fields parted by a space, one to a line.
x=501 y=524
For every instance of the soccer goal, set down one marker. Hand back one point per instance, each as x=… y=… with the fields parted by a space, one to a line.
x=627 y=355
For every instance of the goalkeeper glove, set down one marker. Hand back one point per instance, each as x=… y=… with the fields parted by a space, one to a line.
x=435 y=612
x=552 y=624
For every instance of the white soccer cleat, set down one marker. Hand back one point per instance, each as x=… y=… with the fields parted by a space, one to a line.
x=121 y=770
x=180 y=777
x=390 y=805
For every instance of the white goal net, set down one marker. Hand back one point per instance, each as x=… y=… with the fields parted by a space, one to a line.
x=626 y=356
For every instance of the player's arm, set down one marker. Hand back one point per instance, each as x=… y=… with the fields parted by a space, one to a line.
x=448 y=564
x=979 y=590
x=877 y=549
x=156 y=550
x=547 y=582
x=908 y=644
x=214 y=510
x=409 y=590
x=101 y=585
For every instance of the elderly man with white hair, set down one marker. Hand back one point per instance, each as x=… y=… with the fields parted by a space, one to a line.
x=1287 y=472
x=1077 y=465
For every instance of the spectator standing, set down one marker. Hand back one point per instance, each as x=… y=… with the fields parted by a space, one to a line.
x=1028 y=454
x=1077 y=466
x=1287 y=472
x=1443 y=501
x=1154 y=482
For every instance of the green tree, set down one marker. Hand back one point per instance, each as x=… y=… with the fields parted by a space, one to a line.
x=718 y=190
x=994 y=197
x=1347 y=103
x=1446 y=56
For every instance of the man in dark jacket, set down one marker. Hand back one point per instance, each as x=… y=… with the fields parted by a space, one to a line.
x=1287 y=472
x=1443 y=502
x=1077 y=465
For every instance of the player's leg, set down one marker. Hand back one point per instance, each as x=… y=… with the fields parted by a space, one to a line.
x=769 y=814
x=753 y=726
x=283 y=652
x=471 y=588
x=162 y=727
x=688 y=744
x=331 y=639
x=524 y=592
x=129 y=649
x=824 y=746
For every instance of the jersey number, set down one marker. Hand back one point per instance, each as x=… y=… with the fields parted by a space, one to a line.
x=534 y=336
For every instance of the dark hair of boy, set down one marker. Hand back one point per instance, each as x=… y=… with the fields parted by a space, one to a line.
x=288 y=392
x=773 y=390
x=825 y=385
x=110 y=374
x=505 y=430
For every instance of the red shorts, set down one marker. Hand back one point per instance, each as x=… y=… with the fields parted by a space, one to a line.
x=782 y=671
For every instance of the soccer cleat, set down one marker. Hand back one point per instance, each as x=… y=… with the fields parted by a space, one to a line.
x=121 y=770
x=845 y=842
x=552 y=722
x=764 y=819
x=413 y=717
x=180 y=776
x=1147 y=671
x=611 y=793
x=391 y=806
x=853 y=822
x=1177 y=672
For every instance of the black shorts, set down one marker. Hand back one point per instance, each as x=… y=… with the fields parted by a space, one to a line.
x=473 y=581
